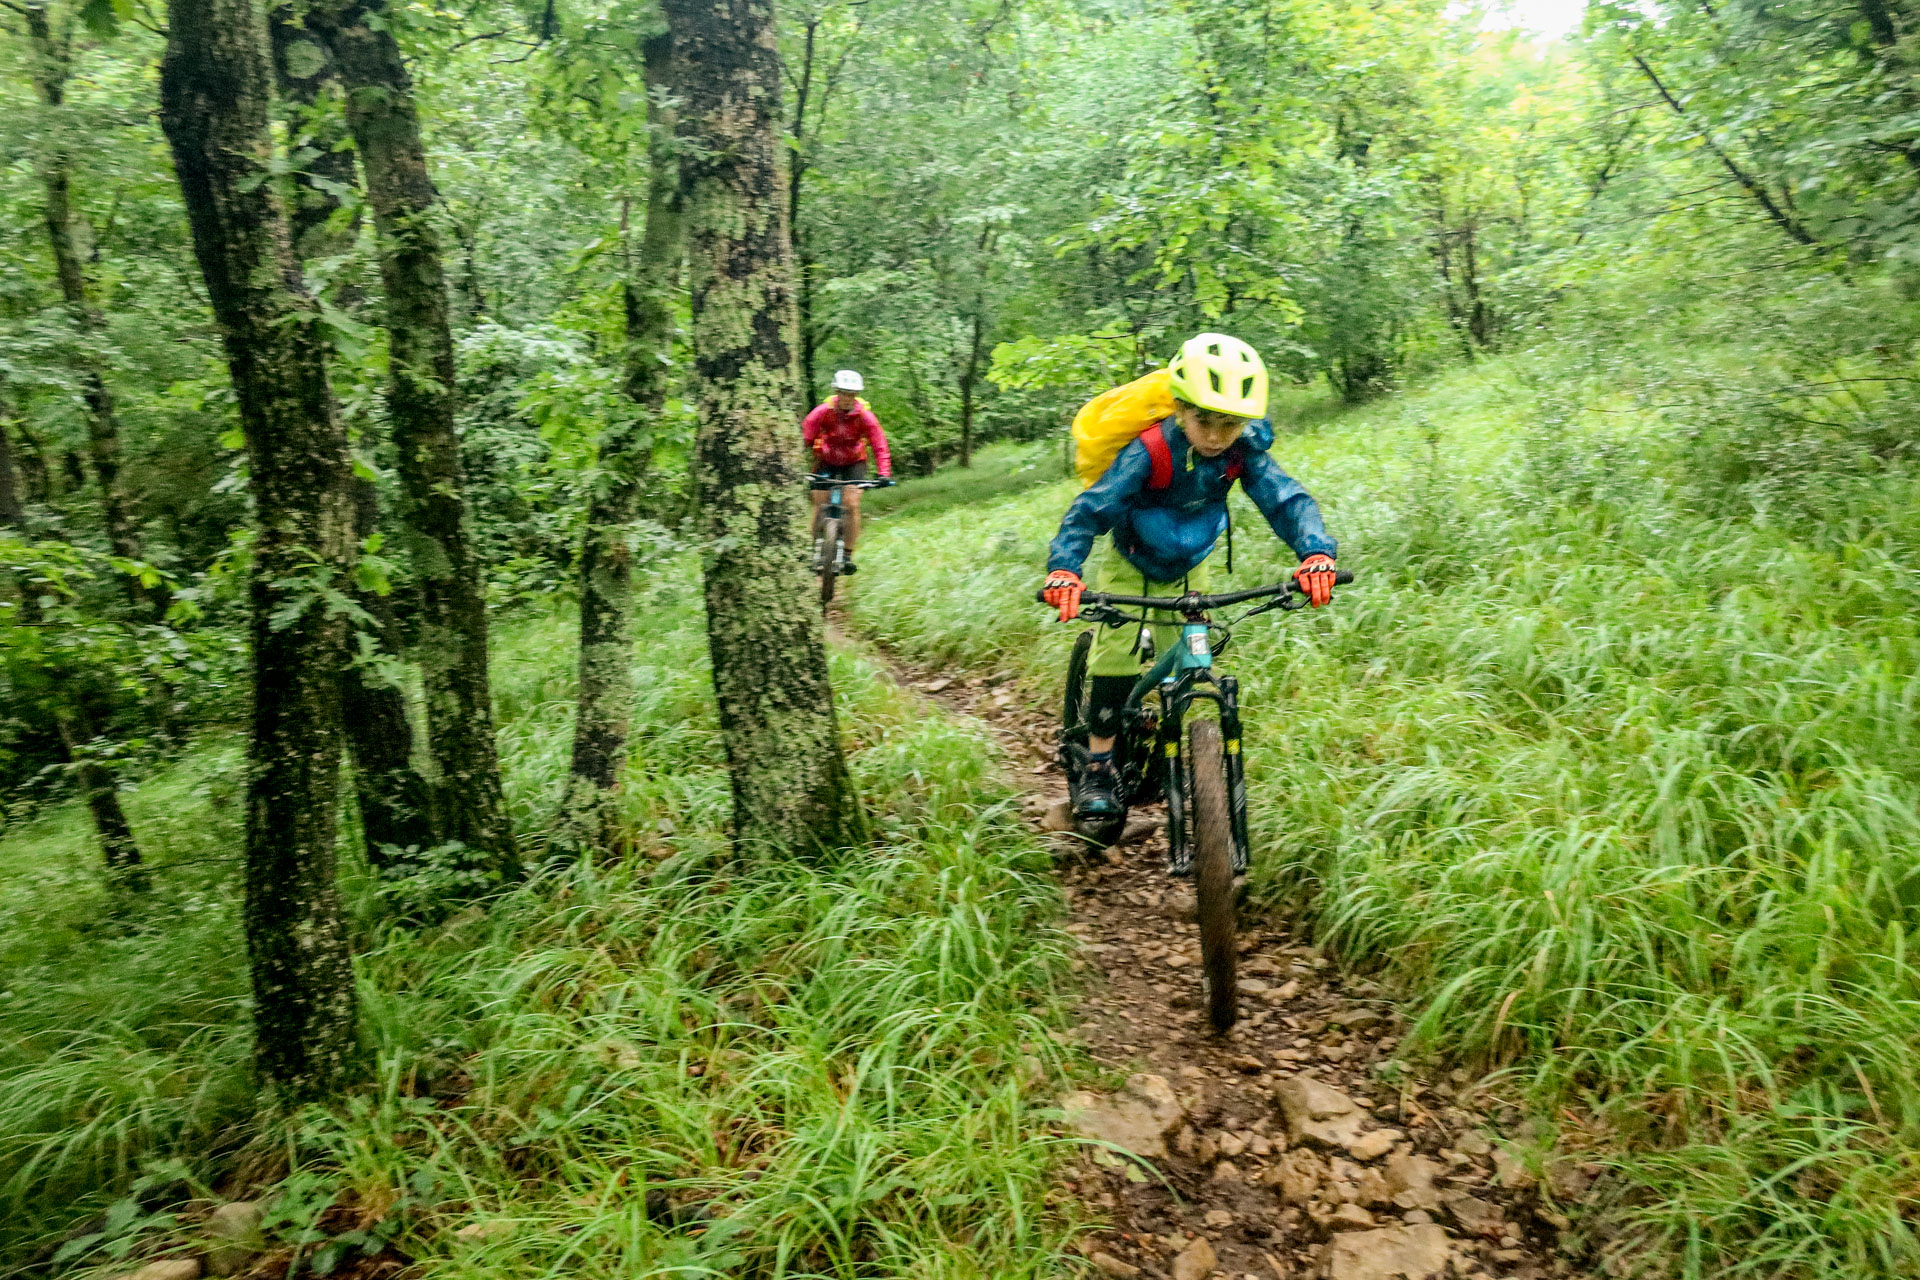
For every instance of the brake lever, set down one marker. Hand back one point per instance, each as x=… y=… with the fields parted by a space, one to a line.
x=1285 y=604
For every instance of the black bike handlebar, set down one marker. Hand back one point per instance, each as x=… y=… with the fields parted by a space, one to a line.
x=828 y=482
x=1197 y=603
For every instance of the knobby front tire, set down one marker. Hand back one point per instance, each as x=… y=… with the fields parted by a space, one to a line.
x=830 y=561
x=1212 y=844
x=1073 y=710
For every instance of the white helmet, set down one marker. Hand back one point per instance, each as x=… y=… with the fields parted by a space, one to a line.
x=848 y=380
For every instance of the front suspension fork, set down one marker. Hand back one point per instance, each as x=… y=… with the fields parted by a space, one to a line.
x=1167 y=746
x=1236 y=773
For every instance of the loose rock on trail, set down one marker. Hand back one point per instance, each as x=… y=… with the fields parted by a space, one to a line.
x=1276 y=1151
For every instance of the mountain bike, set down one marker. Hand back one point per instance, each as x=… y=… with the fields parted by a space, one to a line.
x=829 y=548
x=1204 y=785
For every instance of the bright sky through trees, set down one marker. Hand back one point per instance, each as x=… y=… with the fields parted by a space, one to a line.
x=1546 y=17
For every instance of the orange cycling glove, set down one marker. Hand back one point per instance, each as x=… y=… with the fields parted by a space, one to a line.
x=1063 y=593
x=1315 y=576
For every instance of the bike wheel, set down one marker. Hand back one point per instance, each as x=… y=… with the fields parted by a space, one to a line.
x=1073 y=710
x=1212 y=837
x=829 y=559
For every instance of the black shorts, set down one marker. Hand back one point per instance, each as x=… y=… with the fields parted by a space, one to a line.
x=852 y=471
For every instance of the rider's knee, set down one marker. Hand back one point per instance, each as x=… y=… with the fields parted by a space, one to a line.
x=1108 y=698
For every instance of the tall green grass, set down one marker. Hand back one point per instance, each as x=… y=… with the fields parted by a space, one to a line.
x=1627 y=798
x=1000 y=468
x=676 y=1064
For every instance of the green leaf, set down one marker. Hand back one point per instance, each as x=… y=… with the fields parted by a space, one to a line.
x=102 y=17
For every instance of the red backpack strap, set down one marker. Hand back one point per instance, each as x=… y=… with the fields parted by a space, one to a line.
x=1235 y=466
x=1155 y=438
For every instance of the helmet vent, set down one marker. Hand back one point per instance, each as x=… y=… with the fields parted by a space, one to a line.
x=1246 y=388
x=1213 y=376
x=1213 y=348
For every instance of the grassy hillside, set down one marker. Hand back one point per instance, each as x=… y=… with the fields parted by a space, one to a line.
x=827 y=1066
x=1624 y=793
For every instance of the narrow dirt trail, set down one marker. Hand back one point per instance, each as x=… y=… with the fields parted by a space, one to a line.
x=1282 y=1152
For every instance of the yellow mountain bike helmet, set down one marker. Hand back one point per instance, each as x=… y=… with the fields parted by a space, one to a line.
x=1221 y=373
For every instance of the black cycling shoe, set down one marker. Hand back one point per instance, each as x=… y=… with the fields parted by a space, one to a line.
x=1096 y=801
x=847 y=567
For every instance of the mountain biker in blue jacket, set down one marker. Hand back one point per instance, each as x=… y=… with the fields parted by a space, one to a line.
x=1164 y=527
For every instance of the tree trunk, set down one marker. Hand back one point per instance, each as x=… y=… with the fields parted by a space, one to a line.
x=110 y=823
x=791 y=791
x=36 y=477
x=214 y=92
x=606 y=572
x=302 y=69
x=452 y=645
x=103 y=429
x=396 y=804
x=13 y=512
x=967 y=380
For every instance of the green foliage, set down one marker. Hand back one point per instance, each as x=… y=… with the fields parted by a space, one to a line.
x=1608 y=762
x=832 y=1065
x=65 y=662
x=1619 y=792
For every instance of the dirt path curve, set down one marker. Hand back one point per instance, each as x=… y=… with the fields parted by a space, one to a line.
x=1288 y=1148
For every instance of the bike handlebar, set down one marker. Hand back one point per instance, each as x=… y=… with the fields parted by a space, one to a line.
x=1192 y=603
x=828 y=482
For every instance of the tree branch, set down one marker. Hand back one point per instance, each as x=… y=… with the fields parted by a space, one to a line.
x=1784 y=220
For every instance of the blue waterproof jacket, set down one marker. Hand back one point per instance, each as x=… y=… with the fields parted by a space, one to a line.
x=1165 y=533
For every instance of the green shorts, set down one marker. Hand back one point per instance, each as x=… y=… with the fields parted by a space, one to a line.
x=1115 y=648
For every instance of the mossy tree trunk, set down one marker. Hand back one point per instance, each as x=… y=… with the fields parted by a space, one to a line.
x=452 y=640
x=51 y=50
x=215 y=88
x=606 y=557
x=396 y=804
x=302 y=74
x=791 y=790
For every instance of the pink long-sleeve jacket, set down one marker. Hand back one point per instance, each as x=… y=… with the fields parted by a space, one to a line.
x=840 y=439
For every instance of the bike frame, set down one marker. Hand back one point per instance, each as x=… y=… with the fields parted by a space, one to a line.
x=1183 y=675
x=1178 y=677
x=835 y=506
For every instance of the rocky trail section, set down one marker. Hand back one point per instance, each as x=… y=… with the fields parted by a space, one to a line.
x=1295 y=1146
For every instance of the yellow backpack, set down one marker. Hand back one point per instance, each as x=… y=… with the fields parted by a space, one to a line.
x=1114 y=419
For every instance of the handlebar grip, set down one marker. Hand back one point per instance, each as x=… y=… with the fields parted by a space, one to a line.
x=1341 y=577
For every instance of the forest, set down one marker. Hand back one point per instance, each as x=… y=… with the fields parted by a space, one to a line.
x=443 y=834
